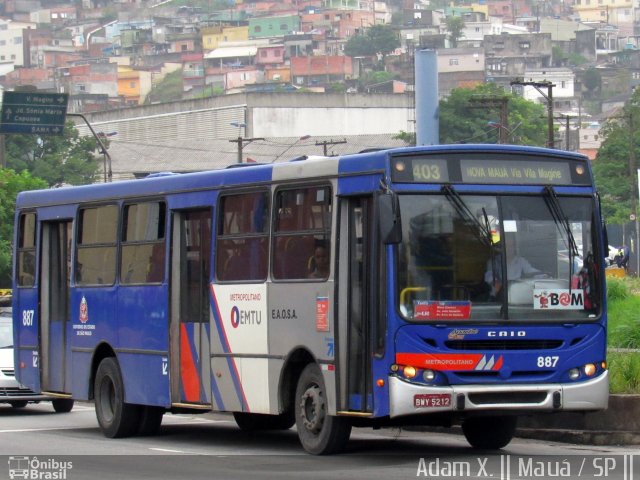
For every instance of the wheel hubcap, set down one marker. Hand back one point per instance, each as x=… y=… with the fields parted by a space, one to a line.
x=312 y=409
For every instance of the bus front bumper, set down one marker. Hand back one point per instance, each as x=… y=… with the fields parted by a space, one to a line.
x=411 y=399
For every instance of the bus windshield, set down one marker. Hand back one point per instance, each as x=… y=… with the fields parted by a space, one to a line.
x=497 y=257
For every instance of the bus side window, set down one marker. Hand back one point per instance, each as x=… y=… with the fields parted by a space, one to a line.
x=26 y=263
x=96 y=252
x=143 y=243
x=302 y=223
x=242 y=237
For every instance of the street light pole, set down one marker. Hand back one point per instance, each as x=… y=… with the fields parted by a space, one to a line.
x=240 y=140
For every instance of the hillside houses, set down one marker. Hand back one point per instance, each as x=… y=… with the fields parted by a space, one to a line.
x=113 y=54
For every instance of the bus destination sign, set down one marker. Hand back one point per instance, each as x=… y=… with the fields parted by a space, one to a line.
x=496 y=170
x=29 y=112
x=421 y=170
x=510 y=172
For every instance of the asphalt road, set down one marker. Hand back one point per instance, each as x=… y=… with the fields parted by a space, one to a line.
x=38 y=443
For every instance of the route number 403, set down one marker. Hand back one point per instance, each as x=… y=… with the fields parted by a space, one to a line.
x=27 y=318
x=547 y=362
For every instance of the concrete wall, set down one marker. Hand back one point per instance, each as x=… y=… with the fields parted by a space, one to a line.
x=266 y=115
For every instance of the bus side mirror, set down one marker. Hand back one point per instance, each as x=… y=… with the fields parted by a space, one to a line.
x=389 y=214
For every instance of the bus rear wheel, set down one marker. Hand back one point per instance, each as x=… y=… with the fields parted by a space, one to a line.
x=116 y=418
x=319 y=432
x=490 y=433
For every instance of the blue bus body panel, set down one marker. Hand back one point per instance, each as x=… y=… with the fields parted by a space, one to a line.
x=26 y=337
x=146 y=378
x=575 y=346
x=143 y=343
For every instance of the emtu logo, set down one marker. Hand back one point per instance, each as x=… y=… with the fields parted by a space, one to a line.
x=245 y=317
x=235 y=317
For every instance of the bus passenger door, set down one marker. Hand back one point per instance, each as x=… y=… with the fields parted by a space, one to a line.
x=357 y=304
x=190 y=344
x=54 y=305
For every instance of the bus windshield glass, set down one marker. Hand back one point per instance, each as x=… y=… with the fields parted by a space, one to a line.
x=497 y=257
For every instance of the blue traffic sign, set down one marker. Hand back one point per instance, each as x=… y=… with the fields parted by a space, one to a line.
x=38 y=113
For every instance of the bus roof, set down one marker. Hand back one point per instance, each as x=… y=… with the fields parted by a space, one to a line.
x=376 y=161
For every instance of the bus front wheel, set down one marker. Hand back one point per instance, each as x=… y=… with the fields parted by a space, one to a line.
x=489 y=433
x=319 y=432
x=116 y=418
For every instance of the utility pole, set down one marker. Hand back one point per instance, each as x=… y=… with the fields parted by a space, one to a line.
x=549 y=98
x=500 y=102
x=324 y=144
x=242 y=142
x=567 y=118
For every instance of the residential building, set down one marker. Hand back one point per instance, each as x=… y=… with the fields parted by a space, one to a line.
x=133 y=85
x=213 y=36
x=193 y=71
x=275 y=26
x=97 y=78
x=321 y=70
x=459 y=68
x=572 y=37
x=233 y=55
x=270 y=55
x=510 y=56
x=613 y=12
x=12 y=45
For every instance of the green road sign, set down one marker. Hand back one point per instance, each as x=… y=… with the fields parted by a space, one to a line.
x=28 y=112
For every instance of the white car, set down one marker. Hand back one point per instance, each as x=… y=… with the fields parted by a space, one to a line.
x=11 y=392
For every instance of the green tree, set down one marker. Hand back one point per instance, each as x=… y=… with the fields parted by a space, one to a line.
x=376 y=40
x=614 y=162
x=64 y=159
x=11 y=183
x=459 y=122
x=455 y=26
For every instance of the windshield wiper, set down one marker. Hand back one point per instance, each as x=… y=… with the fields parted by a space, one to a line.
x=561 y=220
x=482 y=232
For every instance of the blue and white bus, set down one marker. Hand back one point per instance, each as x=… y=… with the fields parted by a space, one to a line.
x=362 y=290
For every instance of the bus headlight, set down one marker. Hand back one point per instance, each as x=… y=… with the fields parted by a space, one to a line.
x=428 y=375
x=590 y=369
x=574 y=374
x=409 y=371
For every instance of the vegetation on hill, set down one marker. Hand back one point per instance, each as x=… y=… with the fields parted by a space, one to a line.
x=624 y=333
x=613 y=169
x=35 y=162
x=57 y=159
x=461 y=123
x=169 y=89
x=11 y=183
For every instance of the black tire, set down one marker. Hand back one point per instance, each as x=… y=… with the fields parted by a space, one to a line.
x=62 y=405
x=18 y=404
x=116 y=418
x=150 y=421
x=251 y=422
x=490 y=433
x=319 y=433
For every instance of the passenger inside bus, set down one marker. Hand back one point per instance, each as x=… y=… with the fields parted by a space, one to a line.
x=320 y=261
x=518 y=267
